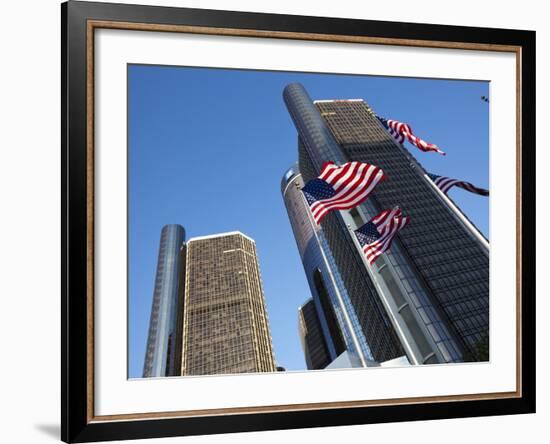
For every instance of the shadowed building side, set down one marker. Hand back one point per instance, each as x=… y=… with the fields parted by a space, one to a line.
x=311 y=336
x=180 y=312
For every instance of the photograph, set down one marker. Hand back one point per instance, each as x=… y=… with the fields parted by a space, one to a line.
x=282 y=221
x=285 y=221
x=279 y=221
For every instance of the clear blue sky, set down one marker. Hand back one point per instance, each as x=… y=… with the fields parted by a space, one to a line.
x=207 y=149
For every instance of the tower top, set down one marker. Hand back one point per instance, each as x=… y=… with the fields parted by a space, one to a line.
x=229 y=233
x=337 y=100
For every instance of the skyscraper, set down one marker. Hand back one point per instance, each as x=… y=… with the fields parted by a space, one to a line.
x=339 y=324
x=225 y=325
x=311 y=336
x=161 y=342
x=428 y=295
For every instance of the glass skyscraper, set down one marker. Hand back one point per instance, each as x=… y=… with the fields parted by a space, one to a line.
x=161 y=352
x=339 y=324
x=429 y=295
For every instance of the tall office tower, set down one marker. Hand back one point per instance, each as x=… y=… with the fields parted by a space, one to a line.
x=430 y=293
x=161 y=352
x=339 y=324
x=225 y=325
x=311 y=336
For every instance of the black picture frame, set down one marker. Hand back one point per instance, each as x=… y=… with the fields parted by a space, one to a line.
x=77 y=425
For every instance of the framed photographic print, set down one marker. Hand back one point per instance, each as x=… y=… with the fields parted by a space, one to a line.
x=277 y=221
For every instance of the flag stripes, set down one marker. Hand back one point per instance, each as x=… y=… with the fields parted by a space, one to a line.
x=376 y=236
x=446 y=183
x=340 y=187
x=401 y=131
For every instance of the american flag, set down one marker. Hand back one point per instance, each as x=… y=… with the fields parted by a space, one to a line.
x=401 y=131
x=340 y=187
x=446 y=183
x=376 y=236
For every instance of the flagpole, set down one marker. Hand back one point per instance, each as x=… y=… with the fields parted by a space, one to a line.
x=471 y=227
x=387 y=305
x=334 y=284
x=455 y=210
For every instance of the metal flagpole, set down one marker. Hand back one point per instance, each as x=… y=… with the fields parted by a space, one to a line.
x=340 y=300
x=392 y=315
x=455 y=210
x=474 y=231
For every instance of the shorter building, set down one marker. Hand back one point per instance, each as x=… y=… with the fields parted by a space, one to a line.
x=225 y=324
x=315 y=348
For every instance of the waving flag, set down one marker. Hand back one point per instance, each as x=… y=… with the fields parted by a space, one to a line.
x=401 y=131
x=376 y=236
x=446 y=183
x=340 y=187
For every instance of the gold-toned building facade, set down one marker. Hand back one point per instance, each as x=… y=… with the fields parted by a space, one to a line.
x=225 y=325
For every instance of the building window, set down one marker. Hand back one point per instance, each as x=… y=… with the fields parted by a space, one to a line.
x=357 y=219
x=328 y=311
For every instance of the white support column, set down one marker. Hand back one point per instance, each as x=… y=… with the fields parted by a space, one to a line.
x=456 y=211
x=459 y=215
x=397 y=324
x=334 y=283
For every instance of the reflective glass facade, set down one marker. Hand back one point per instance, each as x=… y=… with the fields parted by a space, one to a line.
x=312 y=338
x=161 y=352
x=436 y=247
x=434 y=281
x=339 y=323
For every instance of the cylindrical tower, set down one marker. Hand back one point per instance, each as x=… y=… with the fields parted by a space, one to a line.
x=433 y=283
x=338 y=321
x=314 y=134
x=161 y=342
